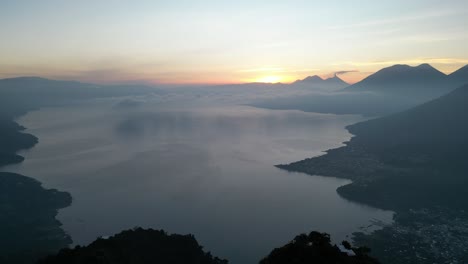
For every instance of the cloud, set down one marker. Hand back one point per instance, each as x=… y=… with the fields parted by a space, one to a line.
x=344 y=72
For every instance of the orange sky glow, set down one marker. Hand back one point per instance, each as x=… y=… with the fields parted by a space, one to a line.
x=224 y=42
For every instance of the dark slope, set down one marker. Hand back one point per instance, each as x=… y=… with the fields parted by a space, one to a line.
x=413 y=163
x=138 y=246
x=316 y=248
x=153 y=246
x=443 y=121
x=411 y=159
x=28 y=226
x=13 y=140
x=422 y=152
x=460 y=76
x=420 y=82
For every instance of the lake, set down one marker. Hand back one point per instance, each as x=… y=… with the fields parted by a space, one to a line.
x=206 y=170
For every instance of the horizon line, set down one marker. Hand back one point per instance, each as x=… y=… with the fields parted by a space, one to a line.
x=149 y=82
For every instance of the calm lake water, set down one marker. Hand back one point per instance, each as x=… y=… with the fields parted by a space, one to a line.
x=201 y=170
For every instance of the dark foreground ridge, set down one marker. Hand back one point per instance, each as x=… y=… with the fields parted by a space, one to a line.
x=138 y=246
x=317 y=248
x=413 y=163
x=142 y=246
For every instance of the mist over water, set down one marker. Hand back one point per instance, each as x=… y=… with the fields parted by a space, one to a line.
x=174 y=164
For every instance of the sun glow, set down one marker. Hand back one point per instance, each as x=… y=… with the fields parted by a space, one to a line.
x=269 y=79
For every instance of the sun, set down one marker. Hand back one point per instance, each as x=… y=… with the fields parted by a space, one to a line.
x=269 y=79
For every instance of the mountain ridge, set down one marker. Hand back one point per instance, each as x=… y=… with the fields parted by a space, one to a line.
x=422 y=80
x=316 y=81
x=414 y=164
x=460 y=76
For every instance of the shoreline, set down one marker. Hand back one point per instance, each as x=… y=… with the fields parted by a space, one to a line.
x=424 y=210
x=360 y=219
x=28 y=224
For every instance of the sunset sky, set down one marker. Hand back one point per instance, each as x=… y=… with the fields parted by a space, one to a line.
x=216 y=41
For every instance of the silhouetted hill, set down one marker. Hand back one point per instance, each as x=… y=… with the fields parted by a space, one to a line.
x=413 y=163
x=156 y=246
x=312 y=79
x=28 y=227
x=317 y=248
x=137 y=246
x=336 y=81
x=420 y=82
x=460 y=76
x=391 y=158
x=317 y=82
x=441 y=122
x=390 y=90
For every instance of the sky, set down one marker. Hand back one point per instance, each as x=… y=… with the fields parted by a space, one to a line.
x=217 y=41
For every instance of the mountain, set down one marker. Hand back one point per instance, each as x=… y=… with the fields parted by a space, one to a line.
x=317 y=82
x=422 y=82
x=311 y=79
x=412 y=163
x=424 y=146
x=390 y=90
x=335 y=80
x=459 y=77
x=442 y=122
